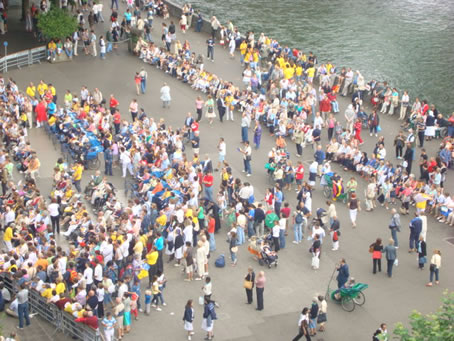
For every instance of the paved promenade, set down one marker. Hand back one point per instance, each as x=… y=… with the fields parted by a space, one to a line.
x=292 y=284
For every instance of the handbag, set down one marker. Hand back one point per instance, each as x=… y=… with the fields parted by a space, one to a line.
x=378 y=129
x=234 y=249
x=201 y=300
x=321 y=318
x=432 y=267
x=247 y=285
x=371 y=249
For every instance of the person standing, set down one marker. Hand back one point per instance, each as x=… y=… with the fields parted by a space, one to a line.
x=143 y=80
x=54 y=211
x=77 y=175
x=210 y=113
x=245 y=123
x=210 y=49
x=422 y=253
x=207 y=182
x=108 y=324
x=22 y=307
x=188 y=318
x=354 y=207
x=435 y=265
x=394 y=226
x=381 y=333
x=199 y=107
x=165 y=96
x=108 y=160
x=221 y=106
x=313 y=314
x=322 y=318
x=134 y=109
x=247 y=157
x=391 y=255
x=415 y=230
x=260 y=288
x=222 y=148
x=209 y=316
x=249 y=282
x=344 y=273
x=376 y=249
x=257 y=134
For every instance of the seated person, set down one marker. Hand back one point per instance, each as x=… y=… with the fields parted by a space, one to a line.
x=350 y=284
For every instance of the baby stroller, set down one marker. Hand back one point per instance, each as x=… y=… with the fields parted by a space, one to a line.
x=268 y=257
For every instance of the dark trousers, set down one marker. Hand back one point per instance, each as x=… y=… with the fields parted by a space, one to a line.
x=330 y=133
x=221 y=113
x=55 y=223
x=299 y=149
x=276 y=244
x=301 y=334
x=108 y=168
x=210 y=53
x=199 y=115
x=117 y=128
x=399 y=151
x=160 y=262
x=389 y=268
x=260 y=298
x=151 y=272
x=421 y=138
x=375 y=263
x=249 y=296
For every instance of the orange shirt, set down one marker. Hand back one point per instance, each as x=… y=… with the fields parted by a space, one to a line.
x=43 y=262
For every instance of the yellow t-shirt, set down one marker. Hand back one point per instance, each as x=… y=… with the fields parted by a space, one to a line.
x=310 y=72
x=162 y=220
x=152 y=257
x=8 y=235
x=60 y=288
x=47 y=293
x=42 y=88
x=299 y=70
x=243 y=48
x=31 y=91
x=78 y=172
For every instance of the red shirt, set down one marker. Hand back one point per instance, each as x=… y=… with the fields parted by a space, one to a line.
x=113 y=102
x=211 y=225
x=89 y=321
x=285 y=212
x=208 y=180
x=299 y=173
x=117 y=118
x=195 y=126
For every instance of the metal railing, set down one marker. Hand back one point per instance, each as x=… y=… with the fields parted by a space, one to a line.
x=22 y=58
x=63 y=321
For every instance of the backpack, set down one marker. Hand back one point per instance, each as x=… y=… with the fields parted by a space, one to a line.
x=299 y=218
x=220 y=261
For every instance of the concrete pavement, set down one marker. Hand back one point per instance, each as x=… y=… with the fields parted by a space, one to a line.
x=292 y=284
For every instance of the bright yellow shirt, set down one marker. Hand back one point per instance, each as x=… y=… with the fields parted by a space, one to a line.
x=8 y=235
x=42 y=88
x=60 y=288
x=78 y=172
x=31 y=91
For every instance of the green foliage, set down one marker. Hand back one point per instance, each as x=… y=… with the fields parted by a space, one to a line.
x=438 y=326
x=57 y=24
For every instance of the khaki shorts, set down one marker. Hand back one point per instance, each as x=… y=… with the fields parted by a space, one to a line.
x=189 y=269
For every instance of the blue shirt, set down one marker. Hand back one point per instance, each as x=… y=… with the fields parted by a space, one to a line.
x=159 y=243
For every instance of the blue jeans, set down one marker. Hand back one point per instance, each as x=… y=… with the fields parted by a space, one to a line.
x=413 y=240
x=114 y=2
x=77 y=185
x=247 y=166
x=22 y=310
x=210 y=53
x=250 y=228
x=298 y=232
x=233 y=256
x=394 y=236
x=432 y=272
x=240 y=239
x=451 y=131
x=209 y=193
x=389 y=268
x=244 y=134
x=281 y=239
x=109 y=47
x=335 y=106
x=198 y=26
x=212 y=241
x=143 y=85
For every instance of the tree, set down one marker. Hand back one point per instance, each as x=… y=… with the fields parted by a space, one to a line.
x=438 y=326
x=57 y=24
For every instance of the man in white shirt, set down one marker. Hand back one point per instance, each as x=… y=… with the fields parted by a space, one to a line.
x=98 y=273
x=347 y=82
x=88 y=274
x=222 y=147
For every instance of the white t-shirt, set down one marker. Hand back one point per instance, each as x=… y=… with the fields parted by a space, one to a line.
x=222 y=148
x=53 y=209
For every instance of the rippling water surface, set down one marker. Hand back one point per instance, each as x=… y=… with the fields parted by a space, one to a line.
x=410 y=43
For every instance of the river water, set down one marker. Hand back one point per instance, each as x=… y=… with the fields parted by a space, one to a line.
x=409 y=43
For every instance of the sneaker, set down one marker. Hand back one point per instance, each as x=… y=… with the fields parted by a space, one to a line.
x=141 y=310
x=295 y=242
x=176 y=264
x=249 y=174
x=164 y=304
x=154 y=305
x=189 y=337
x=370 y=134
x=158 y=309
x=20 y=328
x=243 y=171
x=198 y=279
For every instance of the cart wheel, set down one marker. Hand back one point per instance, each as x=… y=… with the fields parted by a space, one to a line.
x=360 y=299
x=348 y=304
x=327 y=191
x=94 y=164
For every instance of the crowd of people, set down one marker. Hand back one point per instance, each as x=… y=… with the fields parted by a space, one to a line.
x=173 y=211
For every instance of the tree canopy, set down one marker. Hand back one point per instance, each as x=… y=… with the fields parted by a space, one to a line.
x=57 y=24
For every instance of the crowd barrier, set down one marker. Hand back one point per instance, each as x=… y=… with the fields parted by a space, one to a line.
x=63 y=321
x=22 y=58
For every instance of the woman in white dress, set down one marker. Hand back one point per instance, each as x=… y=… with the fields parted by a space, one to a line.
x=188 y=317
x=201 y=259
